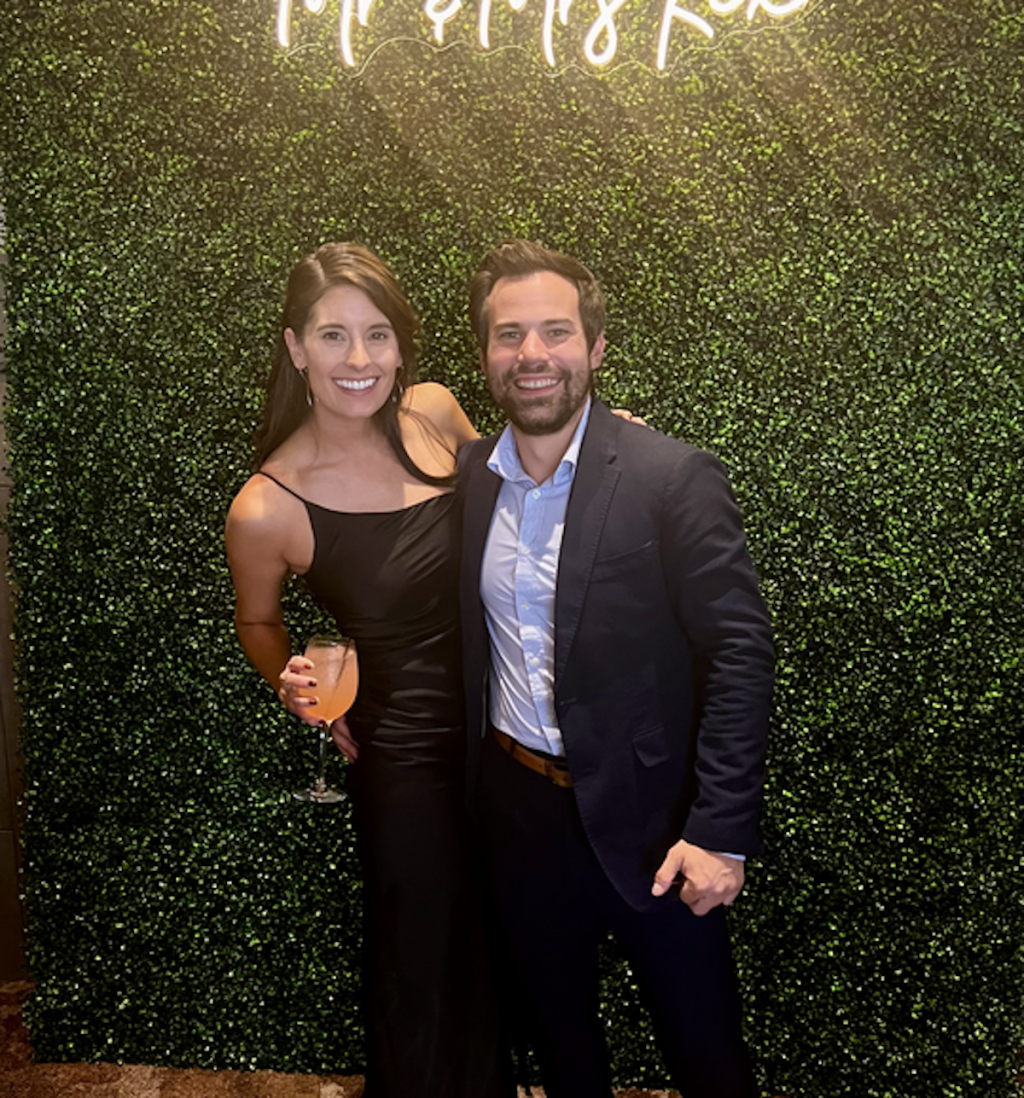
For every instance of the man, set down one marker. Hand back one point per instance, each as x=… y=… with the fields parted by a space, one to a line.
x=618 y=666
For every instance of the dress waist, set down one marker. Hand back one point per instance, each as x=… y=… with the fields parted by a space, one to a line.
x=409 y=686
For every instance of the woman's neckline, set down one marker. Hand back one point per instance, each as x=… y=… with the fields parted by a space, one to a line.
x=336 y=511
x=379 y=514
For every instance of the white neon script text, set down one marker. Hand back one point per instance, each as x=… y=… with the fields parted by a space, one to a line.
x=599 y=47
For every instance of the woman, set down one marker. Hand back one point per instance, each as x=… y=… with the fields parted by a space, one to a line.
x=354 y=492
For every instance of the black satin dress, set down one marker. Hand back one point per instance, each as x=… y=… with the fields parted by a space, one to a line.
x=390 y=580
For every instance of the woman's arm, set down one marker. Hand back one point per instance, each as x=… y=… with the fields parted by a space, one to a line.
x=261 y=535
x=439 y=405
x=256 y=535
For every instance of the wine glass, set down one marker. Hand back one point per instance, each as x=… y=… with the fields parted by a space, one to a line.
x=336 y=670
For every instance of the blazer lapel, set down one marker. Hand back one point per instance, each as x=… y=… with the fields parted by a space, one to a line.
x=481 y=496
x=480 y=489
x=591 y=496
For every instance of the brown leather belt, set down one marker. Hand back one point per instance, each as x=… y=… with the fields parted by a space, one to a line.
x=556 y=772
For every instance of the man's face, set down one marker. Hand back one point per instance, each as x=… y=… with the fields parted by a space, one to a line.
x=537 y=364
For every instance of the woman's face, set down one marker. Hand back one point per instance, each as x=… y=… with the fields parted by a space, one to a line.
x=350 y=352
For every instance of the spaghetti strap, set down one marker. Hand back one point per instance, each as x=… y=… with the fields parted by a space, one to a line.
x=280 y=485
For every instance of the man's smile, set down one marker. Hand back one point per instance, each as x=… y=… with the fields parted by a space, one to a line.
x=534 y=383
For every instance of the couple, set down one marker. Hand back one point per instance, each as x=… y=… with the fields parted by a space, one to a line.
x=617 y=668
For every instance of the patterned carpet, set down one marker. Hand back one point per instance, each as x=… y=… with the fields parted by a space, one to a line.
x=21 y=1078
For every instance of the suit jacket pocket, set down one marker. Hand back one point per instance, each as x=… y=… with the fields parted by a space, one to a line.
x=651 y=746
x=623 y=562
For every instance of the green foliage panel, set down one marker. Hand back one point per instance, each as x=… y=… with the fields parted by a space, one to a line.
x=812 y=239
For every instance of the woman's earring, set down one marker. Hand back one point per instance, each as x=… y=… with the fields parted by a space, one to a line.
x=397 y=392
x=309 y=391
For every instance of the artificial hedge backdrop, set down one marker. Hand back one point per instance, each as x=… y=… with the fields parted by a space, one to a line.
x=811 y=237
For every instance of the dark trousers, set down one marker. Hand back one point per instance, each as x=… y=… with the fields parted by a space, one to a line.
x=554 y=905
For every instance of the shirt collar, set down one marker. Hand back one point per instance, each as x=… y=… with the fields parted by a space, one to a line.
x=504 y=459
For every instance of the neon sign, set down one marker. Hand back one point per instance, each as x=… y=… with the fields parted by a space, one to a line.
x=602 y=39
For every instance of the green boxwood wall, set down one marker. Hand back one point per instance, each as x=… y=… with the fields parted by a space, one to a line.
x=812 y=239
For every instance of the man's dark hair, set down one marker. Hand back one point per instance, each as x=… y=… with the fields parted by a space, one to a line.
x=520 y=258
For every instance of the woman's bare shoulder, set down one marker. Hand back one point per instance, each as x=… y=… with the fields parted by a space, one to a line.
x=438 y=404
x=429 y=396
x=267 y=532
x=262 y=505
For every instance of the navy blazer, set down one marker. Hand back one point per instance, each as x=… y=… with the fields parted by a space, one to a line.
x=663 y=651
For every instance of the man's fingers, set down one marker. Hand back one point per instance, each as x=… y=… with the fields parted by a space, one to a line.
x=668 y=874
x=700 y=903
x=690 y=894
x=702 y=900
x=704 y=879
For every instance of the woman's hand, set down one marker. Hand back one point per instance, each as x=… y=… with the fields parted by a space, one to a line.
x=295 y=677
x=343 y=740
x=627 y=415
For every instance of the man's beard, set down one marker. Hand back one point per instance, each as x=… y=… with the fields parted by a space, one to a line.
x=543 y=416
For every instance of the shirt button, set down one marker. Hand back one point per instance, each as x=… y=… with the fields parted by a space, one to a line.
x=526 y=606
x=536 y=493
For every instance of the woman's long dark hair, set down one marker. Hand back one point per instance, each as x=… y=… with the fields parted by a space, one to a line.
x=286 y=408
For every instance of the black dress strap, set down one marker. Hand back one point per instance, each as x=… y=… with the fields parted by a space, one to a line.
x=284 y=486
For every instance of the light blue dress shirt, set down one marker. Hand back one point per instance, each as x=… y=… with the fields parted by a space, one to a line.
x=517 y=586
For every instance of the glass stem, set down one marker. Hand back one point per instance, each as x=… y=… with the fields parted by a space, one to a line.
x=321 y=780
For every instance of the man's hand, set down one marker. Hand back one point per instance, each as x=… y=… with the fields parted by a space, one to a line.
x=709 y=879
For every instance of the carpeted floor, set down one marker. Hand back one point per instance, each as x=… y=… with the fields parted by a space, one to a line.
x=21 y=1078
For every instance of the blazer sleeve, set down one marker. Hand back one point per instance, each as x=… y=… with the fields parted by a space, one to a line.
x=713 y=585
